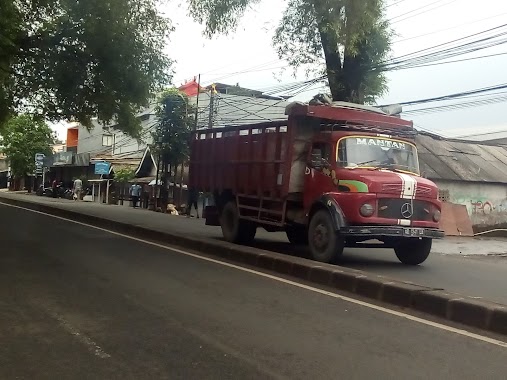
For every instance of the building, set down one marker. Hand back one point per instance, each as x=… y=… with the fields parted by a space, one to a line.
x=468 y=173
x=59 y=147
x=4 y=171
x=214 y=109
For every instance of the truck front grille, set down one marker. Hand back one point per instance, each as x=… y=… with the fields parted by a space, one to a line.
x=393 y=209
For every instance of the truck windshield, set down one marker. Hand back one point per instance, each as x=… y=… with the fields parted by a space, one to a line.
x=377 y=152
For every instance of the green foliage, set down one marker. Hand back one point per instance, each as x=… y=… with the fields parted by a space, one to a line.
x=173 y=131
x=23 y=137
x=74 y=60
x=124 y=175
x=347 y=40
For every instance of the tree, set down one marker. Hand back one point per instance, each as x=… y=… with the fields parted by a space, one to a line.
x=123 y=175
x=173 y=131
x=75 y=60
x=351 y=38
x=23 y=137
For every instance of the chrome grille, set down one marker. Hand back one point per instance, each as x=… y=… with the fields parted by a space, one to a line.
x=392 y=188
x=422 y=191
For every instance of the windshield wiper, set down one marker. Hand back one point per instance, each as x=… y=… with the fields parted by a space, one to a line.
x=367 y=162
x=391 y=166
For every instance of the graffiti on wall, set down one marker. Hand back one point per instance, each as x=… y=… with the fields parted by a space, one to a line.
x=480 y=204
x=483 y=210
x=478 y=207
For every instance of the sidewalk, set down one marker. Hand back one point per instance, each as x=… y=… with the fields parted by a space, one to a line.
x=193 y=227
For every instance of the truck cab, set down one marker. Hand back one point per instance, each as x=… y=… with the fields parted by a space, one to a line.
x=332 y=176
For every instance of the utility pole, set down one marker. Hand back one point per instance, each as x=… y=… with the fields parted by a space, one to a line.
x=211 y=106
x=197 y=102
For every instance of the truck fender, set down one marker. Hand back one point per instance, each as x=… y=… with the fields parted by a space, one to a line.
x=330 y=204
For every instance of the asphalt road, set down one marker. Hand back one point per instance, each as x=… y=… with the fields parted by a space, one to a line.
x=77 y=302
x=475 y=276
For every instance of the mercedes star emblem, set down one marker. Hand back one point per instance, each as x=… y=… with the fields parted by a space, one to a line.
x=406 y=210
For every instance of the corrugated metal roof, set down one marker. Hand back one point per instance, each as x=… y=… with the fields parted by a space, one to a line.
x=457 y=160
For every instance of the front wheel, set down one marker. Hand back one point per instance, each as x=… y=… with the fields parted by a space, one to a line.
x=326 y=244
x=412 y=251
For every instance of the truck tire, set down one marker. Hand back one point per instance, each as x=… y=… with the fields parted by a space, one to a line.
x=413 y=252
x=234 y=229
x=297 y=235
x=326 y=245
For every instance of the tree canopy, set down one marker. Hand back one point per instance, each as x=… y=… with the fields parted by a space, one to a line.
x=173 y=130
x=74 y=60
x=124 y=175
x=23 y=137
x=350 y=38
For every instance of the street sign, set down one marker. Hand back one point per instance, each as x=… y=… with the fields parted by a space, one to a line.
x=102 y=167
x=39 y=163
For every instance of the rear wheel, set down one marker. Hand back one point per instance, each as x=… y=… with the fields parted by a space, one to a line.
x=297 y=235
x=326 y=244
x=234 y=229
x=413 y=251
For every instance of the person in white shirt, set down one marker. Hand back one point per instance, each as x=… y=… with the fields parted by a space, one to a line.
x=77 y=189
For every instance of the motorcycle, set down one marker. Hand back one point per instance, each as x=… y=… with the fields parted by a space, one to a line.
x=44 y=191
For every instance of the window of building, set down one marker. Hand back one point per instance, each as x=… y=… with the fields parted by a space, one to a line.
x=107 y=140
x=444 y=195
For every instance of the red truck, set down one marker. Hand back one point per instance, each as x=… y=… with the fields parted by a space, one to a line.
x=330 y=176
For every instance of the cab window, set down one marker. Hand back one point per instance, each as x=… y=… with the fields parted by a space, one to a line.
x=320 y=155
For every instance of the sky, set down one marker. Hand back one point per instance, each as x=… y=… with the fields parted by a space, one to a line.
x=247 y=56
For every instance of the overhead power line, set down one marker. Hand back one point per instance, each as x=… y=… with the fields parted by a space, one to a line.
x=452 y=41
x=395 y=3
x=454 y=61
x=423 y=11
x=415 y=10
x=457 y=106
x=449 y=49
x=455 y=95
x=447 y=29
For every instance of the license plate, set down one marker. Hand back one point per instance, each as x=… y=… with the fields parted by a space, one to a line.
x=414 y=231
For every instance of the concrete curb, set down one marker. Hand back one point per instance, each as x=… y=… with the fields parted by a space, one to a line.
x=468 y=311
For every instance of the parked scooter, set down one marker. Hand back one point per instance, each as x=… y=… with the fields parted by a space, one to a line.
x=44 y=191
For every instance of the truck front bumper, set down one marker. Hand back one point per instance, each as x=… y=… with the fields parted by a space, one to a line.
x=394 y=231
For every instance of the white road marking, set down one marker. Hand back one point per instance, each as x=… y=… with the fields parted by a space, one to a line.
x=409 y=317
x=90 y=344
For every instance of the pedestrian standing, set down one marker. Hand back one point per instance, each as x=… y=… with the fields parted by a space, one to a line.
x=193 y=197
x=54 y=187
x=135 y=193
x=77 y=188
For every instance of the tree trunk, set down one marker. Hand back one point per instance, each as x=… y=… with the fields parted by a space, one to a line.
x=334 y=69
x=352 y=73
x=344 y=75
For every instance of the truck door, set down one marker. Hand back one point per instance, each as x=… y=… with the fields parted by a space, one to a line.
x=319 y=165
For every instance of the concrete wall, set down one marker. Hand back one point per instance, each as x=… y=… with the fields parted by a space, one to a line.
x=91 y=141
x=486 y=203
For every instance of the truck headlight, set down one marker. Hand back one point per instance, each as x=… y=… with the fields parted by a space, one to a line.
x=366 y=210
x=436 y=215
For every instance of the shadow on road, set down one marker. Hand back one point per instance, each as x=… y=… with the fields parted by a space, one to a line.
x=356 y=258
